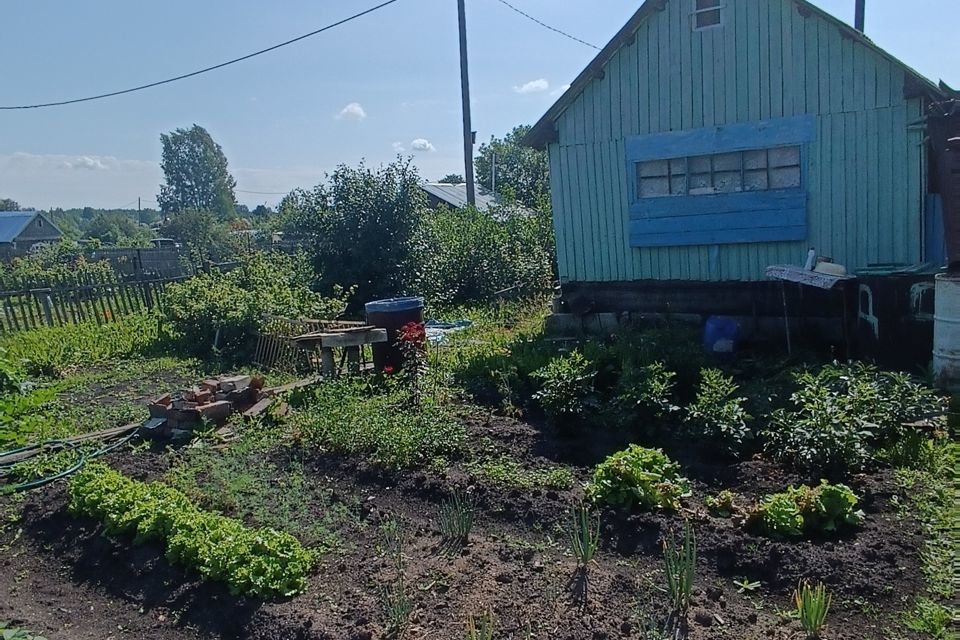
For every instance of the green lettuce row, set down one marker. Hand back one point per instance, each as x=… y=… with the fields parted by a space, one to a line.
x=257 y=562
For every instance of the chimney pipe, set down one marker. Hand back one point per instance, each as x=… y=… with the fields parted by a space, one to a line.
x=859 y=19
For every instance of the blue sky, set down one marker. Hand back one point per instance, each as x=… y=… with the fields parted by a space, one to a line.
x=388 y=82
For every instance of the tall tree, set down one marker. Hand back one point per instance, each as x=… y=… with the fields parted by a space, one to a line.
x=196 y=174
x=522 y=173
x=6 y=204
x=452 y=178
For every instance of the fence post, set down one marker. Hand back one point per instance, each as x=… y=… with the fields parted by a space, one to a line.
x=43 y=296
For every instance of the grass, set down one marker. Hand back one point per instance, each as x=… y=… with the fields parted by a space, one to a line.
x=933 y=497
x=505 y=472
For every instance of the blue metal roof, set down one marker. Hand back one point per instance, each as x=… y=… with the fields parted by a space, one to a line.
x=12 y=224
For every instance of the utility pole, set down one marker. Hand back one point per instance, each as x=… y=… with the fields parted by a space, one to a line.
x=139 y=217
x=858 y=20
x=465 y=91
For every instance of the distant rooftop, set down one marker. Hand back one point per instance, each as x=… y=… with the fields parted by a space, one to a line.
x=12 y=224
x=455 y=195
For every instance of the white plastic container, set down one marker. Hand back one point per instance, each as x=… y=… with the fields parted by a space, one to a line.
x=946 y=331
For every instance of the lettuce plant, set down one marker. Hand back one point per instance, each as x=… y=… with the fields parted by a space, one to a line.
x=638 y=476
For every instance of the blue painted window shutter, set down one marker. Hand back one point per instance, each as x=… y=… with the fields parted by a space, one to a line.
x=765 y=214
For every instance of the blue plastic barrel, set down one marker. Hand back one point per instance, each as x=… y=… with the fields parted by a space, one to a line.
x=392 y=314
x=721 y=336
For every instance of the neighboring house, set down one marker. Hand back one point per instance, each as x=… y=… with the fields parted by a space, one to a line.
x=455 y=196
x=20 y=231
x=712 y=138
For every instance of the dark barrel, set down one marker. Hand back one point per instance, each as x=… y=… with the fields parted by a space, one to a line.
x=391 y=315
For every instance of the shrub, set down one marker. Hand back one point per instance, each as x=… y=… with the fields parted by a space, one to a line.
x=717 y=414
x=640 y=477
x=262 y=562
x=466 y=255
x=843 y=414
x=566 y=390
x=226 y=308
x=807 y=511
x=646 y=392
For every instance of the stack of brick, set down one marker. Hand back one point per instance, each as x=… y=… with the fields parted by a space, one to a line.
x=212 y=401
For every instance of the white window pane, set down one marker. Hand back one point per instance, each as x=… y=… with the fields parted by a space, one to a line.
x=785 y=157
x=756 y=159
x=700 y=164
x=755 y=180
x=654 y=187
x=653 y=168
x=678 y=185
x=726 y=162
x=727 y=181
x=785 y=178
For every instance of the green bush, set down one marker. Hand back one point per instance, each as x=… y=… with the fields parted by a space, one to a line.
x=717 y=414
x=566 y=387
x=842 y=414
x=262 y=562
x=805 y=511
x=465 y=255
x=61 y=264
x=640 y=477
x=350 y=417
x=227 y=308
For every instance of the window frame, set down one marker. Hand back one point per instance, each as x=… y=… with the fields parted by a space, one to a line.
x=695 y=14
x=770 y=215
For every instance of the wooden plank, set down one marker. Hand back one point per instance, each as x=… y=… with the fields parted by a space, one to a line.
x=724 y=236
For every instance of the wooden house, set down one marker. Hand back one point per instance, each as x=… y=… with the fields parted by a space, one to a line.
x=712 y=138
x=21 y=231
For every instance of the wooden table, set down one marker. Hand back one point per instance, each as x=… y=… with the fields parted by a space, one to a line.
x=351 y=340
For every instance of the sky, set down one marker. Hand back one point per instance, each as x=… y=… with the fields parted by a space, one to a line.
x=382 y=85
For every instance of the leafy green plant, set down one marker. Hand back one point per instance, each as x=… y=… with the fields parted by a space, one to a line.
x=10 y=632
x=680 y=564
x=842 y=415
x=481 y=626
x=262 y=562
x=503 y=471
x=723 y=504
x=813 y=605
x=584 y=535
x=807 y=511
x=396 y=602
x=745 y=585
x=638 y=476
x=566 y=391
x=455 y=518
x=717 y=414
x=646 y=392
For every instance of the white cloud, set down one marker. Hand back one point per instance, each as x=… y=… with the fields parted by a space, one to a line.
x=89 y=163
x=534 y=86
x=560 y=91
x=422 y=144
x=353 y=111
x=398 y=147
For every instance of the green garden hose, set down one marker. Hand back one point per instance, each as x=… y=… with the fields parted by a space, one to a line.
x=81 y=460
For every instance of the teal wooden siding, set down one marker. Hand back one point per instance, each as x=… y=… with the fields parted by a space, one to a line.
x=865 y=166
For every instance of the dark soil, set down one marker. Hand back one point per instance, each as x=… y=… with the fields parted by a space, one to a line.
x=61 y=577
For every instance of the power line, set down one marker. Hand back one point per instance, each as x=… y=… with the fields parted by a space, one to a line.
x=546 y=26
x=263 y=193
x=196 y=73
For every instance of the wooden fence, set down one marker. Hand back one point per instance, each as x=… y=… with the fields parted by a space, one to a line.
x=99 y=301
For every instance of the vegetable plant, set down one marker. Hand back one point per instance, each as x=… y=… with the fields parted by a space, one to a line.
x=804 y=510
x=638 y=476
x=813 y=605
x=680 y=564
x=262 y=562
x=566 y=390
x=481 y=626
x=584 y=535
x=718 y=415
x=723 y=504
x=455 y=517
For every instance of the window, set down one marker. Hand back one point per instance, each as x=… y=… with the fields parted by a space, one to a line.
x=706 y=14
x=733 y=172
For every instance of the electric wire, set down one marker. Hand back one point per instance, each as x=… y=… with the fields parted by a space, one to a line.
x=264 y=193
x=200 y=71
x=546 y=26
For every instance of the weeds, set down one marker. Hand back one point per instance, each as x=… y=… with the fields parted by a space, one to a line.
x=584 y=535
x=481 y=626
x=813 y=605
x=680 y=563
x=455 y=517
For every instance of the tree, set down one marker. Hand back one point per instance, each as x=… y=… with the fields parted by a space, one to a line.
x=6 y=204
x=117 y=228
x=523 y=173
x=452 y=178
x=196 y=174
x=357 y=227
x=202 y=234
